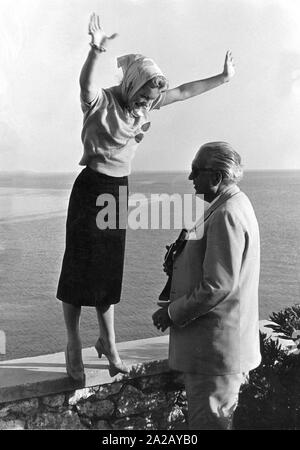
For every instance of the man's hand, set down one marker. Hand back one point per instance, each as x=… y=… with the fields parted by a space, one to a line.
x=98 y=36
x=161 y=319
x=229 y=67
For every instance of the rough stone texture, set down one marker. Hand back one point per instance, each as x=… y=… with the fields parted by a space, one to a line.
x=4 y=411
x=86 y=422
x=12 y=424
x=133 y=423
x=168 y=417
x=153 y=402
x=23 y=408
x=102 y=425
x=54 y=401
x=182 y=399
x=100 y=409
x=172 y=397
x=177 y=398
x=176 y=419
x=107 y=390
x=82 y=394
x=132 y=401
x=161 y=382
x=51 y=421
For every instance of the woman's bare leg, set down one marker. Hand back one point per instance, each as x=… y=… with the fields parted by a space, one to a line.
x=72 y=321
x=107 y=331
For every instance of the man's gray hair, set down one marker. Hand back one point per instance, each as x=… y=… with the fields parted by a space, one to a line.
x=221 y=156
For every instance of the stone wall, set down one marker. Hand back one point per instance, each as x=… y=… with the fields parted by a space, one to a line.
x=150 y=397
x=147 y=402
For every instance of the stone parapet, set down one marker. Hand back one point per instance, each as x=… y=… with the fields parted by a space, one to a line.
x=36 y=393
x=146 y=402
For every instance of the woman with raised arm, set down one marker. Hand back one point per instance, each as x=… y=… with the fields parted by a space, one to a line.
x=114 y=122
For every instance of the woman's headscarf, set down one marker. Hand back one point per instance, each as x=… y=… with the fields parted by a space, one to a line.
x=137 y=70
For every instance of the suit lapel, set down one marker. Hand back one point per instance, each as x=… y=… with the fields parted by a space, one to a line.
x=227 y=194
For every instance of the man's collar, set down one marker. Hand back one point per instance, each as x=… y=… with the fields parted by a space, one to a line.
x=227 y=193
x=211 y=203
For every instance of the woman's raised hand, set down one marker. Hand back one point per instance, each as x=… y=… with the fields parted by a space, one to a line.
x=229 y=68
x=98 y=36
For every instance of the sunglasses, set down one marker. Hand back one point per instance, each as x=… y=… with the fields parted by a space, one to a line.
x=196 y=171
x=139 y=137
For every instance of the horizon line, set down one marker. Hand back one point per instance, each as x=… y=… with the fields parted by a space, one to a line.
x=33 y=172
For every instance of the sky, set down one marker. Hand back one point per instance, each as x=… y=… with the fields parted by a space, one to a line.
x=44 y=44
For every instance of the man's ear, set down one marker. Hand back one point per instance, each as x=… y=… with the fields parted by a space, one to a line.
x=217 y=177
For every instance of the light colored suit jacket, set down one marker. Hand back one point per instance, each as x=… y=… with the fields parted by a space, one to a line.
x=214 y=292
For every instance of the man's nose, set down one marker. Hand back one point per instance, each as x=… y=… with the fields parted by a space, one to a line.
x=191 y=176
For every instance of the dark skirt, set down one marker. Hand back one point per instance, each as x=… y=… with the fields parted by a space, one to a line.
x=92 y=268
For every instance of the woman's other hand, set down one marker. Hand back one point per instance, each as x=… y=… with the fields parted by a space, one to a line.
x=99 y=38
x=229 y=67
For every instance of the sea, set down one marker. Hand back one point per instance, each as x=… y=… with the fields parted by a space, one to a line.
x=32 y=238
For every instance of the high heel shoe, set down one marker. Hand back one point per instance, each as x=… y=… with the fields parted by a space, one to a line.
x=76 y=374
x=114 y=368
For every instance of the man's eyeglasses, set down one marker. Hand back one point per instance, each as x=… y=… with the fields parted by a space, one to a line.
x=197 y=170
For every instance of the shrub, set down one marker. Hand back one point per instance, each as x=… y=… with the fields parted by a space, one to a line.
x=271 y=399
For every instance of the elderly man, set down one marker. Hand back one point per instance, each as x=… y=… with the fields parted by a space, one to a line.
x=213 y=310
